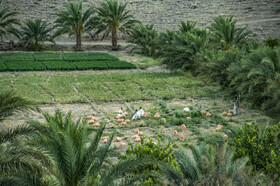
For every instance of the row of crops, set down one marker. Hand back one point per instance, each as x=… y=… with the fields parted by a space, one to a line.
x=107 y=87
x=60 y=61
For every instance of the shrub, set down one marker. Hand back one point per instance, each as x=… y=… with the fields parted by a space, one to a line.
x=213 y=139
x=261 y=143
x=159 y=152
x=270 y=42
x=145 y=39
x=226 y=34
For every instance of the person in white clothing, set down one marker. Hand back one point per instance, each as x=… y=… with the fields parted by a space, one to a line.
x=187 y=109
x=141 y=111
x=121 y=112
x=136 y=115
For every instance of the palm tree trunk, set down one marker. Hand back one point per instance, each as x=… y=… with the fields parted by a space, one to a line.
x=78 y=42
x=114 y=40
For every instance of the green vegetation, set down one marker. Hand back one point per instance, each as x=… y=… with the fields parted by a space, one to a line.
x=209 y=165
x=105 y=87
x=223 y=55
x=155 y=150
x=8 y=23
x=112 y=17
x=272 y=42
x=261 y=143
x=73 y=21
x=35 y=33
x=56 y=61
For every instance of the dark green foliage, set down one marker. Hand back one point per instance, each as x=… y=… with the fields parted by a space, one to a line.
x=209 y=165
x=226 y=34
x=144 y=39
x=112 y=17
x=253 y=75
x=158 y=152
x=25 y=66
x=72 y=20
x=75 y=57
x=58 y=65
x=179 y=52
x=17 y=57
x=47 y=57
x=101 y=57
x=57 y=61
x=261 y=143
x=78 y=157
x=212 y=139
x=270 y=42
x=11 y=103
x=187 y=27
x=86 y=65
x=35 y=33
x=120 y=65
x=8 y=23
x=3 y=67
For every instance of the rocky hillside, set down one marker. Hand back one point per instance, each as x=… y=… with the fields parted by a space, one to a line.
x=261 y=16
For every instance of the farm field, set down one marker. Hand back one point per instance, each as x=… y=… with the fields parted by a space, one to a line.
x=103 y=94
x=61 y=61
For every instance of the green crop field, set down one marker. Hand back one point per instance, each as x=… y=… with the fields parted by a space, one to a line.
x=60 y=61
x=129 y=87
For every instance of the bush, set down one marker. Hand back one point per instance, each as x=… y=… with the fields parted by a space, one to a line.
x=261 y=143
x=159 y=152
x=145 y=37
x=270 y=42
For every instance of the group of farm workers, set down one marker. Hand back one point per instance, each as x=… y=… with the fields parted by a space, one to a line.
x=137 y=114
x=235 y=106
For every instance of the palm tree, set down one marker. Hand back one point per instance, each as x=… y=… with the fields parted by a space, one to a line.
x=112 y=18
x=7 y=23
x=21 y=164
x=209 y=165
x=187 y=27
x=74 y=21
x=225 y=32
x=35 y=33
x=10 y=103
x=79 y=158
x=144 y=39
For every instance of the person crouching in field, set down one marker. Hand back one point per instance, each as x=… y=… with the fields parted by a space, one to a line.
x=120 y=113
x=235 y=105
x=136 y=115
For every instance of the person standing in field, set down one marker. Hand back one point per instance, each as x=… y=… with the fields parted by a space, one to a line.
x=235 y=105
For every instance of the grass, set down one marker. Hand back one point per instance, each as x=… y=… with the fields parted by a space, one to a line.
x=109 y=87
x=61 y=61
